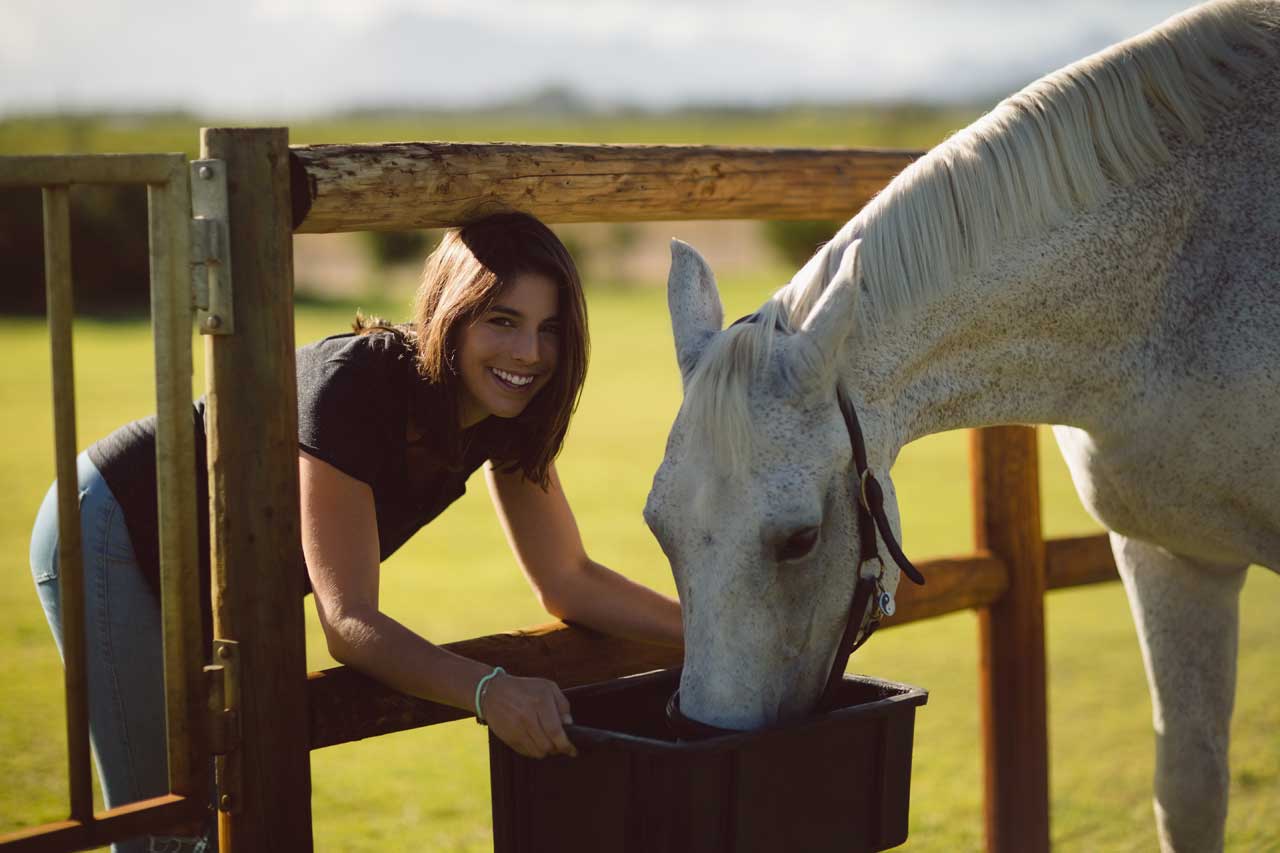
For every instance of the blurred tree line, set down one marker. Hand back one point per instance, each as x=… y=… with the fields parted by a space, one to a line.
x=109 y=260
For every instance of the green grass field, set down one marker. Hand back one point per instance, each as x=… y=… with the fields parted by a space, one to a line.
x=428 y=790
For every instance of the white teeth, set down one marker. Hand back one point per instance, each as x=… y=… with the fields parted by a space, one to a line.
x=511 y=377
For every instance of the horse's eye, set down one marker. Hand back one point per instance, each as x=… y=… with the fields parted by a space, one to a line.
x=798 y=545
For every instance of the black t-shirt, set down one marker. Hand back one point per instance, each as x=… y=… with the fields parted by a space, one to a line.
x=362 y=408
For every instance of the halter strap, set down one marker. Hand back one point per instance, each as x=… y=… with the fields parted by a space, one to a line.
x=860 y=625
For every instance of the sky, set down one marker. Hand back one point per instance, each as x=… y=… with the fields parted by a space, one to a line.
x=296 y=58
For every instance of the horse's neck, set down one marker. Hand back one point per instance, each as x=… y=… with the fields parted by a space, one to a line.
x=1070 y=326
x=1050 y=332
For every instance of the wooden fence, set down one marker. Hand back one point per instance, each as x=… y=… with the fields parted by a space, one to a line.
x=275 y=191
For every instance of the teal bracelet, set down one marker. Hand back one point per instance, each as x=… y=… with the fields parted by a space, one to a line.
x=480 y=688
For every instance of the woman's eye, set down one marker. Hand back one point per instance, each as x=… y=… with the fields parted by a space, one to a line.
x=502 y=322
x=550 y=330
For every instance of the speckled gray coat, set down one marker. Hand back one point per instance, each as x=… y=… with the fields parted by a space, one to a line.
x=1148 y=328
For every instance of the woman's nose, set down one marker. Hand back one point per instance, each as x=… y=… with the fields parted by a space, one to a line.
x=525 y=348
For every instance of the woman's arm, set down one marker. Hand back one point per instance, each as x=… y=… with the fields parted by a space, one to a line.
x=340 y=543
x=544 y=536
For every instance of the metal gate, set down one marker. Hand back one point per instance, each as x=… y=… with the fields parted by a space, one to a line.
x=187 y=255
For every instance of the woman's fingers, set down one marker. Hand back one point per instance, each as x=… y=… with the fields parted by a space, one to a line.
x=562 y=705
x=553 y=727
x=529 y=715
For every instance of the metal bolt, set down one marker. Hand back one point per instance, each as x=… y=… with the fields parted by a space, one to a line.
x=205 y=172
x=223 y=651
x=224 y=802
x=213 y=322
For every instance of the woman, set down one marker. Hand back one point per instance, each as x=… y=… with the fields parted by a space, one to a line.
x=392 y=421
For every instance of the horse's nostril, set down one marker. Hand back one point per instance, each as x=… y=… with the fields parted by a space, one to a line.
x=798 y=544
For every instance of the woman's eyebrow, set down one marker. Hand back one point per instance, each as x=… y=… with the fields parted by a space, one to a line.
x=512 y=312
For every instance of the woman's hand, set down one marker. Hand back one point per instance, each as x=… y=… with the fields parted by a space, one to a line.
x=528 y=715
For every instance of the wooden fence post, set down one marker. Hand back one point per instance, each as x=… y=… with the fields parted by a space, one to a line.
x=1006 y=497
x=253 y=492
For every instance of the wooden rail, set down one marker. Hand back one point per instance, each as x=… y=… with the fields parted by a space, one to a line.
x=156 y=815
x=346 y=706
x=435 y=184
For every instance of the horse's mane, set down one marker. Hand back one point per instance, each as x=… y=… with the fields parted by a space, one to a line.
x=1059 y=146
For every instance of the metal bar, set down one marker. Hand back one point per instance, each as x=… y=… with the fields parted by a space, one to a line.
x=171 y=312
x=169 y=814
x=63 y=169
x=57 y=264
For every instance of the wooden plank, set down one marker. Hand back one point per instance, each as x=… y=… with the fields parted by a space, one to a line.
x=169 y=214
x=256 y=546
x=1006 y=497
x=404 y=186
x=57 y=265
x=62 y=169
x=169 y=814
x=1079 y=560
x=953 y=583
x=346 y=706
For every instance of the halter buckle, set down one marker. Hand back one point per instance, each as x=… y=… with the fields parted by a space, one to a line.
x=862 y=487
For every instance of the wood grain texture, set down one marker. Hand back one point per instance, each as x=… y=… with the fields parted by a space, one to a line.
x=1012 y=677
x=951 y=584
x=1079 y=560
x=346 y=706
x=256 y=549
x=169 y=212
x=45 y=170
x=435 y=184
x=57 y=265
x=167 y=814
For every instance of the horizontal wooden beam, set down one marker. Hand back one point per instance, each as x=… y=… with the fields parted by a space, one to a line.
x=61 y=169
x=167 y=815
x=346 y=706
x=1079 y=560
x=402 y=186
x=951 y=584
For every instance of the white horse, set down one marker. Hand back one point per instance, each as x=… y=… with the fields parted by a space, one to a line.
x=1098 y=252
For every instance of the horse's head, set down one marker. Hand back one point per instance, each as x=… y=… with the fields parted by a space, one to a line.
x=754 y=503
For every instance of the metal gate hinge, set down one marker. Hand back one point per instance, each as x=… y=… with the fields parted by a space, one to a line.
x=223 y=680
x=210 y=248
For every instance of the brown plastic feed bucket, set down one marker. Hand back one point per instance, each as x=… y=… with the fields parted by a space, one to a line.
x=835 y=782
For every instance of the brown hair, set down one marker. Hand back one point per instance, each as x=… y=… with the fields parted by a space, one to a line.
x=462 y=278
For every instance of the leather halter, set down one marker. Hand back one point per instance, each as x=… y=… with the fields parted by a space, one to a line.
x=870 y=599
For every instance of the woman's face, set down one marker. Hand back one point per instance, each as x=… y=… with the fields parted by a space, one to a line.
x=507 y=355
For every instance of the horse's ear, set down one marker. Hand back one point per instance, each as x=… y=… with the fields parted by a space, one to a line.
x=831 y=319
x=694 y=301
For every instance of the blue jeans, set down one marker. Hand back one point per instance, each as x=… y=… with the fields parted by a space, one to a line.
x=124 y=659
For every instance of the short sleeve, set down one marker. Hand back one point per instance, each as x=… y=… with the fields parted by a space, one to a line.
x=346 y=411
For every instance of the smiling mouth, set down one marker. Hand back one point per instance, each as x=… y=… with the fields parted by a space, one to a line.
x=512 y=381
